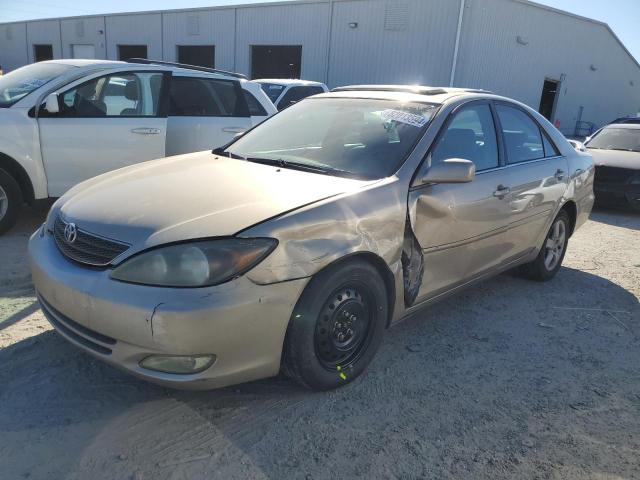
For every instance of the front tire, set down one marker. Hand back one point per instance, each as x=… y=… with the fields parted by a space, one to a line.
x=551 y=255
x=10 y=201
x=336 y=327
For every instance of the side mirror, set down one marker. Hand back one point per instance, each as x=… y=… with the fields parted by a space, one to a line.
x=51 y=103
x=452 y=170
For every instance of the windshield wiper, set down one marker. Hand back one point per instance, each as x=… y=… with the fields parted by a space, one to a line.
x=279 y=162
x=221 y=151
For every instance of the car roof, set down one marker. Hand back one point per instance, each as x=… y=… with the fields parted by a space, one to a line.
x=288 y=81
x=627 y=126
x=410 y=93
x=91 y=64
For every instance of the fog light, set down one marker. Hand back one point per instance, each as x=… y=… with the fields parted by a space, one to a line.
x=178 y=363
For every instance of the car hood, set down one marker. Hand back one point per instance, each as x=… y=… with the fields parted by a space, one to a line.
x=616 y=158
x=197 y=195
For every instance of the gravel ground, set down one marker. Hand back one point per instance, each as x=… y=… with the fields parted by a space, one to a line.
x=510 y=379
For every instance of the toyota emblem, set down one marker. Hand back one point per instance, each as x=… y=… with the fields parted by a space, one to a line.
x=70 y=232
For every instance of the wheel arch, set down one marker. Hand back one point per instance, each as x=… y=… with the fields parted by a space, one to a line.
x=380 y=265
x=20 y=175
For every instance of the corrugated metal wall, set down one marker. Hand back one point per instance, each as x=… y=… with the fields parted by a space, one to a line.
x=507 y=46
x=44 y=32
x=13 y=46
x=303 y=24
x=142 y=29
x=393 y=41
x=201 y=27
x=510 y=48
x=83 y=31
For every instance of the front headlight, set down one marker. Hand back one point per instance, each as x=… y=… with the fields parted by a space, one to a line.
x=195 y=264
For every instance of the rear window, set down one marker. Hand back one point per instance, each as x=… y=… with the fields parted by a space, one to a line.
x=21 y=82
x=255 y=107
x=208 y=97
x=295 y=94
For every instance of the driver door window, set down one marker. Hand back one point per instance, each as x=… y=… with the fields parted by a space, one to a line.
x=119 y=95
x=470 y=135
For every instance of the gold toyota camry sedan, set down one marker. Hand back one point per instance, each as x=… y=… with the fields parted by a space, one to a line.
x=296 y=246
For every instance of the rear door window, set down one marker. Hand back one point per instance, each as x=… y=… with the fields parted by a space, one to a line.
x=522 y=136
x=206 y=97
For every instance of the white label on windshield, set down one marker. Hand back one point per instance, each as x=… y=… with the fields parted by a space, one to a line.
x=404 y=117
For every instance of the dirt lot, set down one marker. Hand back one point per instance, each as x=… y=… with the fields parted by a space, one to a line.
x=510 y=379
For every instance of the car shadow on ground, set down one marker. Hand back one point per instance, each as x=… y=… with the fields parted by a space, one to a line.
x=617 y=217
x=537 y=363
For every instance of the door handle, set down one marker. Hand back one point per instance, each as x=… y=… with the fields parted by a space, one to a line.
x=559 y=174
x=502 y=191
x=234 y=129
x=146 y=131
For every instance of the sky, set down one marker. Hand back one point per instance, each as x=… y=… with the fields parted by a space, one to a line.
x=622 y=15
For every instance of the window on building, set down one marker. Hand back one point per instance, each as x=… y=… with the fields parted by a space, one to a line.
x=195 y=97
x=126 y=52
x=200 y=55
x=470 y=135
x=276 y=61
x=522 y=137
x=42 y=53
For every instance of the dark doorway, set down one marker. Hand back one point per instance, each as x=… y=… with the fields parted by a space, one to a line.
x=125 y=52
x=276 y=61
x=200 y=55
x=548 y=98
x=42 y=52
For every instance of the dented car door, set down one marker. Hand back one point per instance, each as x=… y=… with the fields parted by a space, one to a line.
x=461 y=228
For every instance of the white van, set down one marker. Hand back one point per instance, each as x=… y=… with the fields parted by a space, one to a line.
x=64 y=121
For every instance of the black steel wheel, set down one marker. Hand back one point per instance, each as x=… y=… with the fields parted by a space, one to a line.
x=337 y=326
x=343 y=327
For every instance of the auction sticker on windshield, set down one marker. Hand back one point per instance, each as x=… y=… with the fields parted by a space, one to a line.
x=404 y=117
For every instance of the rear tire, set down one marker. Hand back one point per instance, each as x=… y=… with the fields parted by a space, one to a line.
x=552 y=252
x=336 y=326
x=10 y=201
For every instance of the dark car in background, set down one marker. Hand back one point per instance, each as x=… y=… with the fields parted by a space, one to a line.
x=616 y=153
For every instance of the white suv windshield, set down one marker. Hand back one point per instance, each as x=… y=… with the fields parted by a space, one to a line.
x=362 y=138
x=21 y=82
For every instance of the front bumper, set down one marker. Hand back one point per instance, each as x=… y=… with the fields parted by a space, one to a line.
x=242 y=323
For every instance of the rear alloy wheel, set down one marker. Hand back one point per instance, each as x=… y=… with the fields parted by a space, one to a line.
x=336 y=327
x=10 y=201
x=549 y=260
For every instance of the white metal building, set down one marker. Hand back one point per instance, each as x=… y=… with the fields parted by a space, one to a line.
x=573 y=68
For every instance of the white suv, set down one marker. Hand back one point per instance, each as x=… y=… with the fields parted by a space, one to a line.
x=64 y=121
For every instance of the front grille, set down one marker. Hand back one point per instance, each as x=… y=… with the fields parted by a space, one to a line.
x=606 y=174
x=79 y=333
x=87 y=248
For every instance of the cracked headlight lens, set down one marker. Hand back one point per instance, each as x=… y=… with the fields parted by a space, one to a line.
x=195 y=264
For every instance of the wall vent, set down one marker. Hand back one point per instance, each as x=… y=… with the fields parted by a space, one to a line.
x=193 y=25
x=80 y=28
x=396 y=15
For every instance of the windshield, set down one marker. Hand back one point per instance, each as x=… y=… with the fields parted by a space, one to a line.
x=22 y=81
x=362 y=138
x=273 y=90
x=616 y=139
